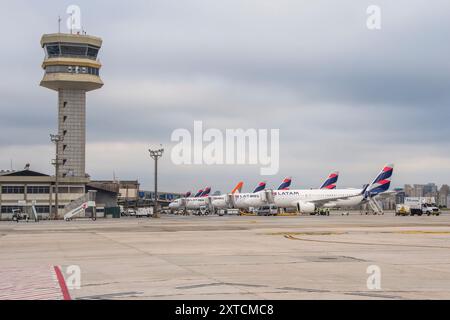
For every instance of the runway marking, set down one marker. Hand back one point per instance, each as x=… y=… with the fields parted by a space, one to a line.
x=195 y=286
x=306 y=233
x=291 y=237
x=420 y=232
x=62 y=283
x=33 y=283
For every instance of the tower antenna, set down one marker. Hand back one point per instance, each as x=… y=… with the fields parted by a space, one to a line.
x=71 y=22
x=59 y=24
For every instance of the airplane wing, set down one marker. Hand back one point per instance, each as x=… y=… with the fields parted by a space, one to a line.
x=322 y=202
x=386 y=194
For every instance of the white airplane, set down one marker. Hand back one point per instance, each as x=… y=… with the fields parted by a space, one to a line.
x=236 y=199
x=257 y=198
x=306 y=201
x=261 y=197
x=200 y=199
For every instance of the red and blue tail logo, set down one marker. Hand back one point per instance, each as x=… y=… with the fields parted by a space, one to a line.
x=199 y=192
x=206 y=192
x=383 y=181
x=285 y=184
x=188 y=194
x=261 y=186
x=331 y=181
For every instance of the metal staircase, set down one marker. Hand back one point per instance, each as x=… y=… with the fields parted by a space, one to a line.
x=34 y=212
x=375 y=206
x=79 y=205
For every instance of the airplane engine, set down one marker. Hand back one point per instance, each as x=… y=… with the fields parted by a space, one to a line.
x=306 y=207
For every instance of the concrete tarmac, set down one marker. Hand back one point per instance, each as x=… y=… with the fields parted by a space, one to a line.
x=233 y=257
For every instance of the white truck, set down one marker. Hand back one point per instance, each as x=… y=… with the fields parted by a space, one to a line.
x=144 y=212
x=418 y=206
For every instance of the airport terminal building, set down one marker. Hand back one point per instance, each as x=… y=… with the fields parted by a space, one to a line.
x=19 y=190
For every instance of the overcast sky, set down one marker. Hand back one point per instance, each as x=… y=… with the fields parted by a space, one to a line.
x=344 y=97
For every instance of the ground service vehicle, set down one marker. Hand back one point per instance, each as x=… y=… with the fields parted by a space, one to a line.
x=268 y=211
x=418 y=206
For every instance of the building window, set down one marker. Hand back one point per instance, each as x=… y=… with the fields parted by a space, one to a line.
x=38 y=189
x=42 y=209
x=92 y=51
x=73 y=50
x=53 y=50
x=76 y=190
x=72 y=69
x=9 y=209
x=13 y=189
x=61 y=189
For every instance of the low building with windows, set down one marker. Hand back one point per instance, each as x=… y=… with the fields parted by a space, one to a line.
x=162 y=195
x=19 y=190
x=128 y=190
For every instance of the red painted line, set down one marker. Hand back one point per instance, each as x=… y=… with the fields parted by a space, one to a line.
x=62 y=283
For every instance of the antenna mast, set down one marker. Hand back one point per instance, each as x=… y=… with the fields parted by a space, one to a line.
x=71 y=22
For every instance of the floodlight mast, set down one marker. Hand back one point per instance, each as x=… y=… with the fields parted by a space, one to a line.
x=56 y=139
x=155 y=155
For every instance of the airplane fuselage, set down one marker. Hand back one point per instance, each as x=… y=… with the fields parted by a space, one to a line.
x=333 y=198
x=189 y=203
x=238 y=200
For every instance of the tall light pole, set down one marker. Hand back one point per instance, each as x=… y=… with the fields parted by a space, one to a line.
x=56 y=139
x=155 y=155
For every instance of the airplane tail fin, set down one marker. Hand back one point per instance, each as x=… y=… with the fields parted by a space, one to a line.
x=330 y=182
x=206 y=192
x=238 y=188
x=261 y=186
x=188 y=194
x=382 y=182
x=198 y=194
x=285 y=184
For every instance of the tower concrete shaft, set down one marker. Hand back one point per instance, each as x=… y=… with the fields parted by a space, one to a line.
x=72 y=126
x=72 y=69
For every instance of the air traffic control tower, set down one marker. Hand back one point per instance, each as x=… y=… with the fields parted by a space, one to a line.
x=72 y=69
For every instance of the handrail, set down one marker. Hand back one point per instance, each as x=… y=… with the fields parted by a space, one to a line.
x=89 y=196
